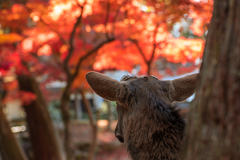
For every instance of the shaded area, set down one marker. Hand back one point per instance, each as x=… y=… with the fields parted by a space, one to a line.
x=108 y=147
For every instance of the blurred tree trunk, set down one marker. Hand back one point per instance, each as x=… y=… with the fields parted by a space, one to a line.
x=213 y=131
x=149 y=68
x=2 y=156
x=42 y=135
x=10 y=149
x=78 y=106
x=109 y=115
x=66 y=120
x=93 y=126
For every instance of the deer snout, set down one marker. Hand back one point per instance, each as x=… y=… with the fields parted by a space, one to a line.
x=117 y=134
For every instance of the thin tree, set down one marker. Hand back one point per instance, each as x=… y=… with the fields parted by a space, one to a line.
x=41 y=130
x=93 y=125
x=71 y=76
x=10 y=148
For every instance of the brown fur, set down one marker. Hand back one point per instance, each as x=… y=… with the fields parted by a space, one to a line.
x=148 y=124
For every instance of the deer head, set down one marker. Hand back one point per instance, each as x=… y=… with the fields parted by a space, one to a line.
x=135 y=95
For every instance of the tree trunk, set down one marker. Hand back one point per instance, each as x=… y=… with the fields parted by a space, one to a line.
x=213 y=131
x=66 y=120
x=93 y=125
x=149 y=68
x=78 y=106
x=10 y=149
x=40 y=126
x=109 y=115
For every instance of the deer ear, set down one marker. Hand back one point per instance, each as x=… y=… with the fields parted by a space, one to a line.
x=104 y=86
x=182 y=88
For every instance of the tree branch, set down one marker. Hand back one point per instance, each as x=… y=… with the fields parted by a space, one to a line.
x=140 y=50
x=88 y=54
x=71 y=47
x=154 y=43
x=88 y=108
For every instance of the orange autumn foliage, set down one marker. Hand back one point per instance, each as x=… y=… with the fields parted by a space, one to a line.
x=147 y=23
x=144 y=37
x=201 y=17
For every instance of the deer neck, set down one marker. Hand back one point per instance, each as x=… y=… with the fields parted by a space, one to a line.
x=155 y=135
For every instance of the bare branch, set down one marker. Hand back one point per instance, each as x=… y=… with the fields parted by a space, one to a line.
x=88 y=54
x=140 y=50
x=71 y=47
x=154 y=43
x=88 y=108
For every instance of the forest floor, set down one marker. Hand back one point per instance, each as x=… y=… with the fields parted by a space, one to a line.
x=108 y=147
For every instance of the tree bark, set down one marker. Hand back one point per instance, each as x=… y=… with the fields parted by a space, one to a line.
x=40 y=125
x=213 y=131
x=93 y=126
x=10 y=148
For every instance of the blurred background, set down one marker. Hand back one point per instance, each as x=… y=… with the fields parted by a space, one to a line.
x=47 y=110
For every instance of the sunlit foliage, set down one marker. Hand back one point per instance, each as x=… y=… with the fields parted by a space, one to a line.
x=37 y=35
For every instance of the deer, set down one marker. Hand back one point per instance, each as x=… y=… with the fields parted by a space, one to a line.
x=149 y=124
